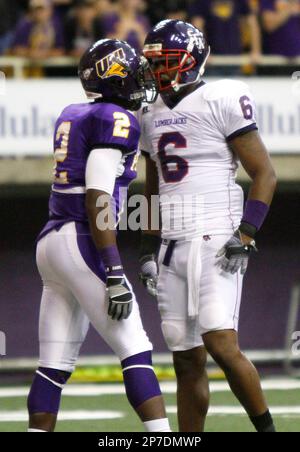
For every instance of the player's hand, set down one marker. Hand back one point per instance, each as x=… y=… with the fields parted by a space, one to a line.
x=120 y=298
x=149 y=274
x=235 y=254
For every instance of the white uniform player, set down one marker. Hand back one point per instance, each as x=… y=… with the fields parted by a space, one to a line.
x=197 y=172
x=194 y=135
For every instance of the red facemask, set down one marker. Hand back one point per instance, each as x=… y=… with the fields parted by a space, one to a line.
x=167 y=62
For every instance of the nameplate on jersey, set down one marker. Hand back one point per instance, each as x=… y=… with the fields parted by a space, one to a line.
x=170 y=122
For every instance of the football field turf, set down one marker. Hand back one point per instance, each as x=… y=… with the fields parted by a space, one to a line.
x=104 y=408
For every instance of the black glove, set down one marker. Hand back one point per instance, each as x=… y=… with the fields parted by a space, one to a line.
x=120 y=298
x=235 y=255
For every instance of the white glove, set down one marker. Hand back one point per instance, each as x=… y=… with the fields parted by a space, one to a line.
x=149 y=274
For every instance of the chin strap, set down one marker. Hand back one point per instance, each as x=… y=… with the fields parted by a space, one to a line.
x=91 y=95
x=177 y=86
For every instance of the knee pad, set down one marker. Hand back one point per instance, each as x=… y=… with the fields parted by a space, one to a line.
x=45 y=392
x=139 y=378
x=212 y=316
x=174 y=332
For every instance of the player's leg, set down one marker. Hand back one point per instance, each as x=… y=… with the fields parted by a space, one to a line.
x=192 y=389
x=143 y=391
x=62 y=329
x=127 y=338
x=241 y=375
x=130 y=343
x=183 y=338
x=220 y=298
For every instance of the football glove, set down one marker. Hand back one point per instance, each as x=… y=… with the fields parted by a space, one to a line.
x=120 y=298
x=149 y=274
x=235 y=255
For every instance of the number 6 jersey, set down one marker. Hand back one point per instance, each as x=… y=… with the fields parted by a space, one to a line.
x=190 y=144
x=80 y=129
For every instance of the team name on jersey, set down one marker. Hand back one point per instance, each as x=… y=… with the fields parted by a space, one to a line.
x=170 y=122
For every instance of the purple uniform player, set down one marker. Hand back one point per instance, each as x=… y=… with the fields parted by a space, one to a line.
x=95 y=147
x=80 y=129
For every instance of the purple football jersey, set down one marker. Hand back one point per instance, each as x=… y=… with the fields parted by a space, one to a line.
x=80 y=129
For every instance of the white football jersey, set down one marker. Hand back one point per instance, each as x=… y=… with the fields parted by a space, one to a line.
x=196 y=167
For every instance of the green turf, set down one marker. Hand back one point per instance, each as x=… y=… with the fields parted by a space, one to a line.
x=220 y=423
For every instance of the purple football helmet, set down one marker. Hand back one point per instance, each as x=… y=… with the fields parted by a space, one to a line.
x=177 y=52
x=111 y=70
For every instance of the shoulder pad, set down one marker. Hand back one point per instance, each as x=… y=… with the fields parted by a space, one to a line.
x=224 y=89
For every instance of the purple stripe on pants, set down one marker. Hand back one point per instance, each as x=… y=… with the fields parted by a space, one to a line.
x=89 y=252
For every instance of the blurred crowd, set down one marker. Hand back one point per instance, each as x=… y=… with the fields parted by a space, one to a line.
x=39 y=29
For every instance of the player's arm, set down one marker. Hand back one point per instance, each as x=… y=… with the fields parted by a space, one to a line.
x=151 y=189
x=150 y=240
x=101 y=173
x=238 y=118
x=255 y=159
x=98 y=205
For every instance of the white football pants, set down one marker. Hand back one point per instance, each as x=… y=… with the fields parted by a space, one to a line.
x=73 y=296
x=194 y=295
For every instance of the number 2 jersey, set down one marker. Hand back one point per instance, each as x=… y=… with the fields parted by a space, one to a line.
x=190 y=144
x=79 y=129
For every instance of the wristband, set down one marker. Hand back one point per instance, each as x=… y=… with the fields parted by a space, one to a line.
x=255 y=213
x=247 y=229
x=112 y=261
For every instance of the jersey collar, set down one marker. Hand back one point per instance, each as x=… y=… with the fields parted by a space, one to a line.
x=172 y=102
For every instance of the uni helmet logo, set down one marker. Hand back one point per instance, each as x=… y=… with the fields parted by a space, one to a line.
x=109 y=66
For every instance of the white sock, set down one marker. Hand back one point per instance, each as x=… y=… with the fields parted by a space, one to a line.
x=158 y=425
x=31 y=430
